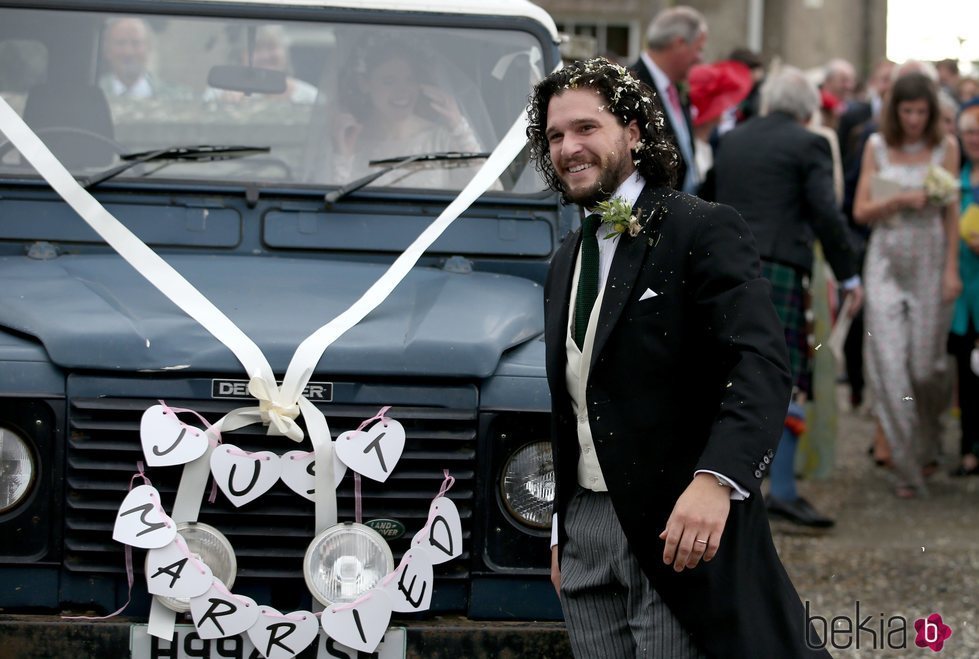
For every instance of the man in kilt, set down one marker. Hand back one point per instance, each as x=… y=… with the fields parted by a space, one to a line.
x=779 y=176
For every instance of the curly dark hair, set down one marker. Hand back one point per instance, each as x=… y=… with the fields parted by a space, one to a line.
x=655 y=157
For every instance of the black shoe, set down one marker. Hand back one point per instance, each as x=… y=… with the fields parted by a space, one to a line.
x=798 y=512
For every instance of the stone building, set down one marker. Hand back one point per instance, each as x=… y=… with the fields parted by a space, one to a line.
x=805 y=33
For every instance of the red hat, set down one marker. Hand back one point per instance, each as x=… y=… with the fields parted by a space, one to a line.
x=828 y=101
x=717 y=87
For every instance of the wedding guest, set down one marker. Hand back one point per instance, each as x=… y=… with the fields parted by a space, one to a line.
x=948 y=75
x=779 y=175
x=840 y=80
x=967 y=89
x=674 y=43
x=127 y=44
x=911 y=274
x=715 y=91
x=963 y=338
x=270 y=51
x=855 y=126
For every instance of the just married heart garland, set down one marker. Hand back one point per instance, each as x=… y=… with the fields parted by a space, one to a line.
x=173 y=571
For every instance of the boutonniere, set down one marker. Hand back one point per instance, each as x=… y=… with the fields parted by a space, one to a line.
x=618 y=215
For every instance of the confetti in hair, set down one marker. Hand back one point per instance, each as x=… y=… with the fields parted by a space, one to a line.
x=655 y=156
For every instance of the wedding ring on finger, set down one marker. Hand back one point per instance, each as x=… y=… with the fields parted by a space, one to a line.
x=703 y=542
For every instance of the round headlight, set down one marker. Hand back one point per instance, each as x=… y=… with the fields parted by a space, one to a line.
x=344 y=562
x=17 y=469
x=210 y=545
x=527 y=485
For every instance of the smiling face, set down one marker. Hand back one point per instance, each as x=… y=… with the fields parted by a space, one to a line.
x=393 y=90
x=913 y=115
x=126 y=49
x=590 y=148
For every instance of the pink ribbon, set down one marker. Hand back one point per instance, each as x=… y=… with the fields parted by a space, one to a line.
x=213 y=438
x=129 y=555
x=447 y=483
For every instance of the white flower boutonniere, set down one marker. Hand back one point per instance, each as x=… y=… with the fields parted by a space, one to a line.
x=618 y=215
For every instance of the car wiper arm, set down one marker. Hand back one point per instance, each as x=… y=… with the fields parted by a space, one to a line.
x=390 y=164
x=200 y=153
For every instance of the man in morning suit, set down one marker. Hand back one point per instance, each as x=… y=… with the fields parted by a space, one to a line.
x=668 y=379
x=779 y=176
x=674 y=43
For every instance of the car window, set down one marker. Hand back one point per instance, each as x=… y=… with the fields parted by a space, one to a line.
x=96 y=86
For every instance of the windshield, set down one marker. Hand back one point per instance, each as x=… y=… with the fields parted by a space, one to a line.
x=326 y=99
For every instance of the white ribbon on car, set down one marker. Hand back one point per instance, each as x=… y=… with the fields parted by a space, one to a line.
x=278 y=407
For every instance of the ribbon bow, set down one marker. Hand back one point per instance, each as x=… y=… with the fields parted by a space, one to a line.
x=279 y=417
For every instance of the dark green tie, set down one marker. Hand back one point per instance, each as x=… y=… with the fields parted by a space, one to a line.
x=587 y=277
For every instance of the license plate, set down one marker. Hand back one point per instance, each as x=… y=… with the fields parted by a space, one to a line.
x=186 y=644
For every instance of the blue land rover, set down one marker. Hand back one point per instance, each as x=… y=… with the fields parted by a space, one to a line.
x=280 y=156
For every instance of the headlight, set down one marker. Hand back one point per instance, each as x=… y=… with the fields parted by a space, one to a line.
x=212 y=548
x=344 y=562
x=527 y=485
x=17 y=469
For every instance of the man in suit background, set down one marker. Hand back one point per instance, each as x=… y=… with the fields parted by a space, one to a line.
x=127 y=44
x=674 y=43
x=779 y=176
x=668 y=379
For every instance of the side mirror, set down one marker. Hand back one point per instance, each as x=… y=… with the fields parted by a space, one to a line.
x=247 y=79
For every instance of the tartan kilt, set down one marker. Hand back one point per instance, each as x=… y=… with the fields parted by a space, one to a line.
x=790 y=295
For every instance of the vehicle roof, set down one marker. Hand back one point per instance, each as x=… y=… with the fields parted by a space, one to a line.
x=520 y=8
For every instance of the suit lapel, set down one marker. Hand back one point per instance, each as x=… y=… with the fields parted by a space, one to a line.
x=559 y=292
x=629 y=258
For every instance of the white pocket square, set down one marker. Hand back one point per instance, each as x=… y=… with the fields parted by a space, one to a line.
x=648 y=294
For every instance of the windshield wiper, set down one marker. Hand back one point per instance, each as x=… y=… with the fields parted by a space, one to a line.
x=200 y=153
x=390 y=164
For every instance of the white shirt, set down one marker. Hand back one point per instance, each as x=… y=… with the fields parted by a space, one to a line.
x=139 y=89
x=576 y=370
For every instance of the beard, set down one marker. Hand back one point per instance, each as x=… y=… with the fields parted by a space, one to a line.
x=615 y=168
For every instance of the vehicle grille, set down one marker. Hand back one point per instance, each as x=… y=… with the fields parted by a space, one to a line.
x=269 y=535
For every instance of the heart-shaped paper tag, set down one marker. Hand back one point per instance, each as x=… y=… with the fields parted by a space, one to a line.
x=141 y=521
x=299 y=472
x=167 y=440
x=410 y=588
x=361 y=626
x=442 y=534
x=173 y=571
x=243 y=477
x=278 y=636
x=218 y=614
x=373 y=452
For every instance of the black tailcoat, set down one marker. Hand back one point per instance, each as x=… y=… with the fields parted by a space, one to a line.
x=692 y=378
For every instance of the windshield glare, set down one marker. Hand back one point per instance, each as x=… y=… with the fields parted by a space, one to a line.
x=95 y=86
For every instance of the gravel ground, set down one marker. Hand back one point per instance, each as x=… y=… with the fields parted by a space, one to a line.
x=894 y=557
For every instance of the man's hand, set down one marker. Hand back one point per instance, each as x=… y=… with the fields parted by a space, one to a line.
x=555 y=571
x=857 y=294
x=699 y=514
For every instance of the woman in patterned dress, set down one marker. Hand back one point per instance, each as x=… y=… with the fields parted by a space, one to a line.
x=911 y=276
